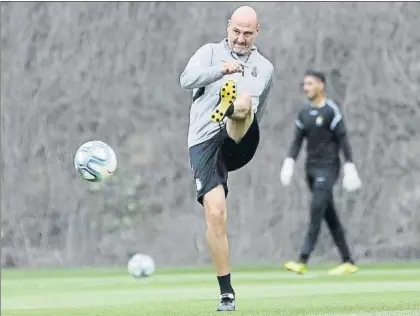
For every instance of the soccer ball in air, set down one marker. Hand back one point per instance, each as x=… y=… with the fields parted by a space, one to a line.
x=141 y=265
x=95 y=161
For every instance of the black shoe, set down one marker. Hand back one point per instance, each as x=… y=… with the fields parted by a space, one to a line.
x=227 y=303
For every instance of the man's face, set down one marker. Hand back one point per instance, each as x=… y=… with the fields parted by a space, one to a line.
x=312 y=87
x=241 y=36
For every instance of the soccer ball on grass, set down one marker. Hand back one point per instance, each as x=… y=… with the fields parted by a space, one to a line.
x=141 y=265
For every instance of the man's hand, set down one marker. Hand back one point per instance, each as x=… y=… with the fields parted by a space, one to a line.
x=286 y=172
x=231 y=67
x=351 y=180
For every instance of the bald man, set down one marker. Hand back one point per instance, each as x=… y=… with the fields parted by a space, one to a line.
x=230 y=83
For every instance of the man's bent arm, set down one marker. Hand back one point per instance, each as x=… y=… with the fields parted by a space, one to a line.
x=199 y=72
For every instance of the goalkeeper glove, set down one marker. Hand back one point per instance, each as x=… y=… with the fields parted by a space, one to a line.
x=286 y=172
x=351 y=180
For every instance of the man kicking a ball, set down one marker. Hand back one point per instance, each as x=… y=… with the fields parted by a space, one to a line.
x=320 y=121
x=231 y=82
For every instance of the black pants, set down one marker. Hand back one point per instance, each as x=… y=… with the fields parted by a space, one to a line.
x=321 y=182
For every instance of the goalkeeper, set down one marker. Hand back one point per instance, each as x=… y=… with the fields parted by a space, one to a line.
x=320 y=121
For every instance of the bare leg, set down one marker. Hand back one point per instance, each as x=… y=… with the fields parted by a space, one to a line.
x=241 y=119
x=216 y=217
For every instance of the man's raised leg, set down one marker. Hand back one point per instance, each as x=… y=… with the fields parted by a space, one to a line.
x=216 y=217
x=241 y=118
x=238 y=109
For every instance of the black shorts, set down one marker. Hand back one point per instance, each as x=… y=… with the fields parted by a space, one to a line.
x=213 y=159
x=322 y=178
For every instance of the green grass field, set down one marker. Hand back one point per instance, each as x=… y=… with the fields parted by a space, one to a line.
x=376 y=290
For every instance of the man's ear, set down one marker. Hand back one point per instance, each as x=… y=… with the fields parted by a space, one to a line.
x=258 y=28
x=228 y=23
x=321 y=85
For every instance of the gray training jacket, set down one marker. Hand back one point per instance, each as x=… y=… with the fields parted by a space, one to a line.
x=203 y=75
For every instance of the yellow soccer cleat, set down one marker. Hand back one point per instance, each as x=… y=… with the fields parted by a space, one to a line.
x=297 y=267
x=227 y=97
x=344 y=268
